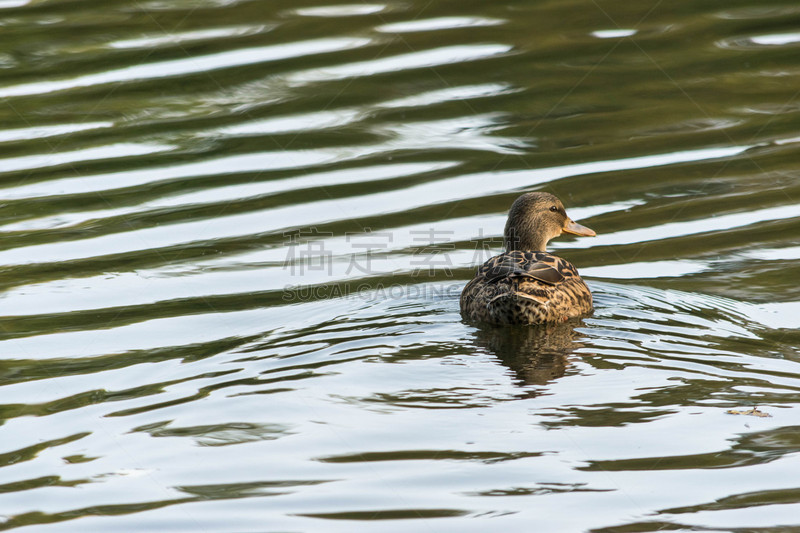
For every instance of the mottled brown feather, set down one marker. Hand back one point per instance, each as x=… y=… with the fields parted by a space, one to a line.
x=520 y=287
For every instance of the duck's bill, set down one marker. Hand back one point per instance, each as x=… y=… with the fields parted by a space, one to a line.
x=576 y=229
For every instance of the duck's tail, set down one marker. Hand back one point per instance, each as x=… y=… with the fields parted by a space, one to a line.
x=516 y=307
x=512 y=294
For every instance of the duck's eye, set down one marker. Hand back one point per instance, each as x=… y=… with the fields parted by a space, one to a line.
x=554 y=209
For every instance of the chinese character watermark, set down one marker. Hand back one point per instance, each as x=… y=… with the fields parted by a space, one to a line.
x=367 y=241
x=485 y=248
x=310 y=254
x=307 y=250
x=433 y=254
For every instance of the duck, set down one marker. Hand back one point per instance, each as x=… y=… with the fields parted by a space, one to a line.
x=526 y=284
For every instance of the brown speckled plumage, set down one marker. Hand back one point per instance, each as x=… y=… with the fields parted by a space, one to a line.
x=525 y=286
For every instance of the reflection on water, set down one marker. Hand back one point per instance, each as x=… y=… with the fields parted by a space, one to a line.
x=537 y=355
x=235 y=233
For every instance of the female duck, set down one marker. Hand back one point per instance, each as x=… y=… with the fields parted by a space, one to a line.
x=527 y=285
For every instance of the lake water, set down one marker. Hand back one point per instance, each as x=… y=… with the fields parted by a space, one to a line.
x=234 y=234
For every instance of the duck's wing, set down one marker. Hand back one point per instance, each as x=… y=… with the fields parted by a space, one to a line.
x=531 y=265
x=525 y=288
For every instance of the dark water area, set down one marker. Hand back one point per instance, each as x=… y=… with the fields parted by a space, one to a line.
x=234 y=234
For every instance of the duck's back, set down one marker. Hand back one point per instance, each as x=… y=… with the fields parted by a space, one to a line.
x=525 y=288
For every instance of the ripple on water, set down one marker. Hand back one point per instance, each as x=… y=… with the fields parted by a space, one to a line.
x=219 y=220
x=759 y=41
x=183 y=67
x=435 y=24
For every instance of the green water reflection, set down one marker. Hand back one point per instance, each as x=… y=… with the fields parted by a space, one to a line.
x=201 y=329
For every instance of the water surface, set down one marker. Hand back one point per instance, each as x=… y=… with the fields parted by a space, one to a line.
x=235 y=232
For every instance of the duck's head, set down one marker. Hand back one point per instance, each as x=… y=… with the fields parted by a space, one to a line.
x=534 y=219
